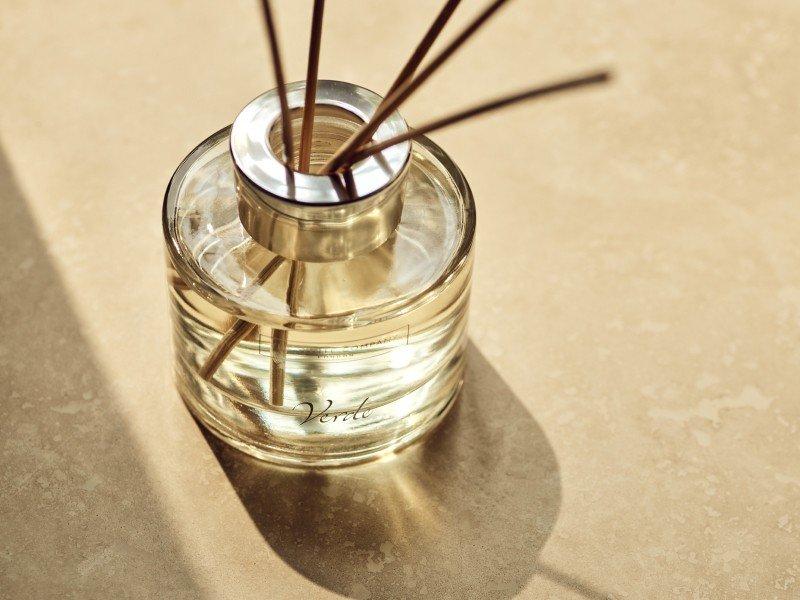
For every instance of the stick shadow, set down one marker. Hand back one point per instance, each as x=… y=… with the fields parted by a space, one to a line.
x=463 y=514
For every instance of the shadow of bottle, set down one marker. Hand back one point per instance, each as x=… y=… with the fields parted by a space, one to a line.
x=462 y=514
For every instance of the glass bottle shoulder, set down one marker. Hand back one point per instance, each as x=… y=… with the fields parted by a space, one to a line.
x=213 y=254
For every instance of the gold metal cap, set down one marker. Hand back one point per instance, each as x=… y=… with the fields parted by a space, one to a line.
x=311 y=217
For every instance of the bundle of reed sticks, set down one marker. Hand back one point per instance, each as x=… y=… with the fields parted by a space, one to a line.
x=359 y=146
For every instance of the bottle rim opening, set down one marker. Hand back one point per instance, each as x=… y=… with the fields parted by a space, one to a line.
x=333 y=125
x=257 y=151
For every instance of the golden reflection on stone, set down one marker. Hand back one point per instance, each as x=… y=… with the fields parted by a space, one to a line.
x=466 y=509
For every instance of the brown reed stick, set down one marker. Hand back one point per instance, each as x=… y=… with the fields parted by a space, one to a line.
x=280 y=337
x=280 y=82
x=391 y=103
x=307 y=132
x=561 y=86
x=240 y=328
x=238 y=331
x=350 y=184
x=277 y=372
x=424 y=45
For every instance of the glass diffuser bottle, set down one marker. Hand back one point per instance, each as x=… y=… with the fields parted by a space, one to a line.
x=318 y=320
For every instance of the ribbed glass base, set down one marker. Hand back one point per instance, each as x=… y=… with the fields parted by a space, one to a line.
x=249 y=429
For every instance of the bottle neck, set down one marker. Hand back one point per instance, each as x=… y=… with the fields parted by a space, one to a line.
x=310 y=216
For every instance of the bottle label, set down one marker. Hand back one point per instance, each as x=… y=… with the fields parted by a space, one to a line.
x=352 y=349
x=326 y=415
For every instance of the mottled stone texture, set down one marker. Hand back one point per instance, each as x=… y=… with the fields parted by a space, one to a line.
x=629 y=426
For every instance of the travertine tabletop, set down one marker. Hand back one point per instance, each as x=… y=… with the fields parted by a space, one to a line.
x=629 y=425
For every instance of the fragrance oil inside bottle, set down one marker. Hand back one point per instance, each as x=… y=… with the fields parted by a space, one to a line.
x=319 y=319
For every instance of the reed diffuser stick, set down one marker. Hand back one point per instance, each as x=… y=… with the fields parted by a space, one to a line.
x=280 y=82
x=424 y=45
x=307 y=133
x=392 y=102
x=240 y=328
x=479 y=109
x=238 y=331
x=280 y=337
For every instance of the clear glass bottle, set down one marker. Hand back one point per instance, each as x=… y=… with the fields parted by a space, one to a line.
x=318 y=320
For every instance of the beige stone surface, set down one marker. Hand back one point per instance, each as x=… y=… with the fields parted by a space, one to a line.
x=629 y=427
